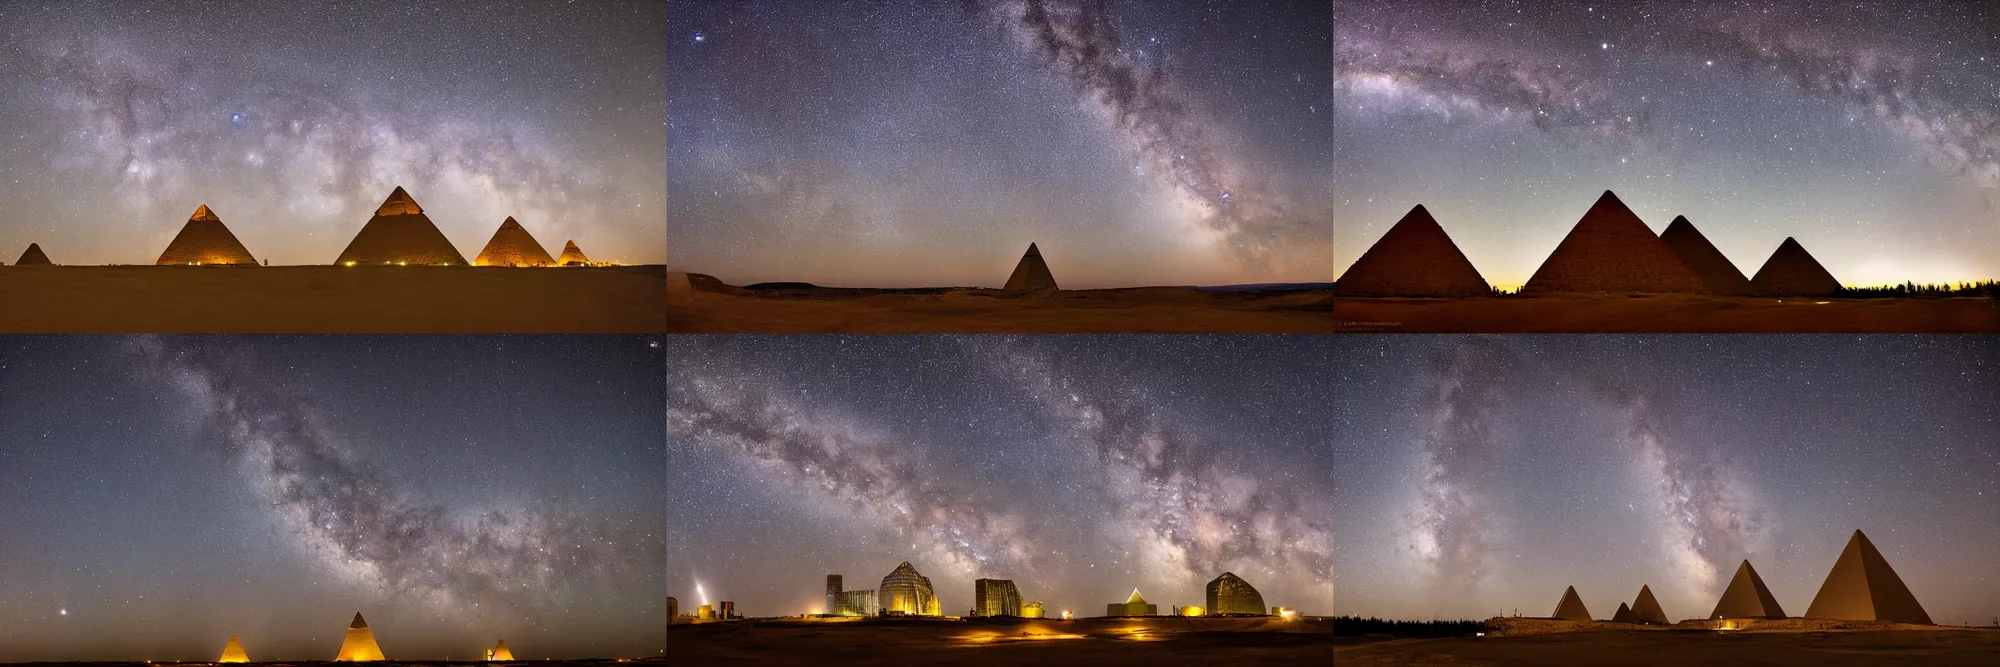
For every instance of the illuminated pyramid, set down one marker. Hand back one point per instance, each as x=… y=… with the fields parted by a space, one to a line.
x=359 y=646
x=1415 y=258
x=1031 y=274
x=1646 y=608
x=1861 y=587
x=572 y=255
x=1791 y=271
x=1747 y=597
x=1611 y=250
x=512 y=245
x=1571 y=607
x=500 y=653
x=33 y=255
x=1623 y=615
x=1716 y=272
x=204 y=240
x=399 y=233
x=233 y=651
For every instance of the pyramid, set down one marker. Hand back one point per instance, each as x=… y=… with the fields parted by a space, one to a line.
x=1624 y=615
x=1415 y=258
x=1571 y=607
x=399 y=233
x=1646 y=609
x=33 y=255
x=1611 y=250
x=1716 y=272
x=1031 y=274
x=359 y=646
x=1861 y=587
x=204 y=240
x=233 y=651
x=1747 y=597
x=512 y=245
x=500 y=653
x=1791 y=271
x=572 y=255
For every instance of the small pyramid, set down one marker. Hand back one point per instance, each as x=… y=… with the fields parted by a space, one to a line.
x=233 y=652
x=1415 y=258
x=1135 y=599
x=500 y=653
x=1624 y=615
x=1611 y=250
x=1791 y=271
x=359 y=646
x=204 y=240
x=572 y=255
x=1747 y=597
x=399 y=233
x=1646 y=609
x=1716 y=272
x=33 y=256
x=1862 y=587
x=512 y=245
x=1571 y=607
x=1031 y=274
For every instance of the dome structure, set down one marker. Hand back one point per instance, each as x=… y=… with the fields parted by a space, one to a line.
x=905 y=591
x=1230 y=594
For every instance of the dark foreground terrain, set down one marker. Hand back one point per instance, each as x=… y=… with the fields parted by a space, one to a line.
x=1666 y=314
x=1680 y=648
x=605 y=662
x=1150 y=642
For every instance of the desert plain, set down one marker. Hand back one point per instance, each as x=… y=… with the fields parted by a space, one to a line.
x=1665 y=313
x=1813 y=642
x=1100 y=642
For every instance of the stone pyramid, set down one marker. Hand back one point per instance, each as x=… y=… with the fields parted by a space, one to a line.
x=1415 y=258
x=1791 y=271
x=512 y=245
x=1611 y=250
x=1747 y=597
x=1716 y=272
x=399 y=233
x=500 y=652
x=33 y=255
x=1862 y=587
x=359 y=646
x=1571 y=607
x=1646 y=609
x=204 y=240
x=572 y=255
x=233 y=652
x=1031 y=274
x=1623 y=615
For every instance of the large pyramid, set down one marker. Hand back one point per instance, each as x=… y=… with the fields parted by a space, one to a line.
x=1623 y=615
x=359 y=646
x=1031 y=274
x=1611 y=250
x=204 y=240
x=33 y=255
x=1716 y=272
x=572 y=254
x=512 y=245
x=1791 y=271
x=233 y=652
x=1747 y=597
x=1415 y=258
x=500 y=652
x=1646 y=609
x=399 y=233
x=1571 y=607
x=1861 y=587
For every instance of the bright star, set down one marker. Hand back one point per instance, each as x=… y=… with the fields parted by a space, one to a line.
x=699 y=37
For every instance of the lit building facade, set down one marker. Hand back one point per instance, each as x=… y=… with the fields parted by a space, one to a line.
x=1192 y=610
x=995 y=597
x=705 y=612
x=1031 y=610
x=1230 y=594
x=1132 y=606
x=907 y=592
x=856 y=603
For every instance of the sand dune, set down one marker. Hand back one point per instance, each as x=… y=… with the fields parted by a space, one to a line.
x=1666 y=313
x=1100 y=642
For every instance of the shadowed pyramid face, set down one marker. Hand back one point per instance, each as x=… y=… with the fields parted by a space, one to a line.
x=1031 y=273
x=1862 y=587
x=1611 y=251
x=1747 y=597
x=1415 y=259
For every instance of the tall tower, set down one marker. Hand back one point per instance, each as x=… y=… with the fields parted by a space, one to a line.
x=833 y=594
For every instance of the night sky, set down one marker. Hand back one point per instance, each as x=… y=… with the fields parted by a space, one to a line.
x=1482 y=475
x=927 y=143
x=1870 y=131
x=162 y=494
x=1079 y=467
x=293 y=121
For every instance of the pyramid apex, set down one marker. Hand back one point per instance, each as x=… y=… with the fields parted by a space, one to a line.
x=1032 y=250
x=202 y=213
x=399 y=203
x=358 y=621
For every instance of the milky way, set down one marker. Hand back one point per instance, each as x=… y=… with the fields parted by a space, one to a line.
x=1449 y=530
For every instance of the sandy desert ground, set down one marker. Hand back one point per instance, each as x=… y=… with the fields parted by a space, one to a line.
x=1679 y=648
x=606 y=662
x=1151 y=642
x=331 y=299
x=1666 y=314
x=700 y=304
